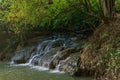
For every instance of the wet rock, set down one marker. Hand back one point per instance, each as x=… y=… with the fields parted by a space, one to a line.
x=35 y=61
x=71 y=66
x=45 y=59
x=61 y=57
x=51 y=65
x=74 y=38
x=58 y=43
x=58 y=54
x=23 y=55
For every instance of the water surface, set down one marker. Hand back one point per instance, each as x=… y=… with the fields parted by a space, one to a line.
x=26 y=73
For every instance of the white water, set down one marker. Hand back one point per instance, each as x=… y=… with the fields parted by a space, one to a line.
x=40 y=68
x=42 y=49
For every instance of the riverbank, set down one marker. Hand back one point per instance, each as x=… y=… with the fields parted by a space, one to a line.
x=98 y=57
x=101 y=55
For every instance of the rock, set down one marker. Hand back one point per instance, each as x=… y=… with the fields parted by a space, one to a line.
x=74 y=38
x=46 y=59
x=51 y=65
x=71 y=66
x=58 y=43
x=35 y=61
x=23 y=55
x=62 y=57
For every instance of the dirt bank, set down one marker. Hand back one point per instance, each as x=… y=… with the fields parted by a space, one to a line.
x=100 y=56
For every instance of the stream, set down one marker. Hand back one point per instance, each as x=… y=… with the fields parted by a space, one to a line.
x=8 y=72
x=55 y=58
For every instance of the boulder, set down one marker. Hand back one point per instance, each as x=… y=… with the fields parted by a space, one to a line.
x=71 y=66
x=63 y=57
x=44 y=60
x=23 y=56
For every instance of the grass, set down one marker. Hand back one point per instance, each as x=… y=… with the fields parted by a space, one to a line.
x=98 y=55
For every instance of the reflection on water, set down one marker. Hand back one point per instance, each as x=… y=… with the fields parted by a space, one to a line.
x=25 y=73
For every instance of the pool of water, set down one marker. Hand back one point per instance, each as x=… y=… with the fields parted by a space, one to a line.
x=26 y=73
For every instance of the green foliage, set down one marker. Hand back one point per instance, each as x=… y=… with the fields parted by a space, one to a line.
x=118 y=6
x=4 y=10
x=30 y=14
x=27 y=15
x=22 y=16
x=117 y=55
x=112 y=62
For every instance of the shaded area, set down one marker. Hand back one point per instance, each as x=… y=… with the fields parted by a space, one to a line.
x=3 y=39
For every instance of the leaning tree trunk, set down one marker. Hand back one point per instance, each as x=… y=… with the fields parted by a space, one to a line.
x=50 y=1
x=109 y=9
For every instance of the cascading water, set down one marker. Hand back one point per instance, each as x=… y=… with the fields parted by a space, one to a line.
x=37 y=57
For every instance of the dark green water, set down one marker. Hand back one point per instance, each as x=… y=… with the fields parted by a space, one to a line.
x=26 y=73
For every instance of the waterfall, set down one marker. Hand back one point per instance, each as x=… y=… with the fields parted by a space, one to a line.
x=41 y=56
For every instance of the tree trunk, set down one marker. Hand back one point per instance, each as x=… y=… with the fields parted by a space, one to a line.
x=109 y=9
x=50 y=2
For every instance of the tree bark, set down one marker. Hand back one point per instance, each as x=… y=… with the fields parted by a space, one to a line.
x=50 y=2
x=109 y=8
